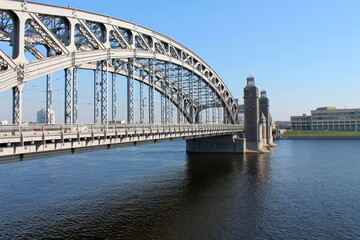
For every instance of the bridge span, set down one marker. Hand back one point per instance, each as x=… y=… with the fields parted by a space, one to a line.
x=25 y=143
x=185 y=98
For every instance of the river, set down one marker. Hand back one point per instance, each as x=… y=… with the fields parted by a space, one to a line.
x=304 y=189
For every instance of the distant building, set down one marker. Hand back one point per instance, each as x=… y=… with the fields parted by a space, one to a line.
x=41 y=116
x=328 y=118
x=283 y=125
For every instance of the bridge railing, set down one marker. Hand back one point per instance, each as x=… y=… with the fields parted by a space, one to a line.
x=7 y=131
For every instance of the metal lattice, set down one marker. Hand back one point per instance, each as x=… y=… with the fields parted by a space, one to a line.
x=68 y=96
x=104 y=92
x=130 y=91
x=97 y=92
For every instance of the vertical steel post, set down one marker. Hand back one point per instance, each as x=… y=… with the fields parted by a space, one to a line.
x=214 y=108
x=104 y=92
x=17 y=104
x=179 y=95
x=113 y=95
x=97 y=88
x=75 y=94
x=142 y=99
x=151 y=91
x=207 y=117
x=199 y=100
x=225 y=116
x=68 y=118
x=219 y=114
x=191 y=96
x=48 y=108
x=168 y=109
x=48 y=97
x=162 y=84
x=130 y=91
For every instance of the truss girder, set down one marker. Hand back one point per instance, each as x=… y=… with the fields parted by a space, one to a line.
x=48 y=97
x=113 y=97
x=97 y=92
x=130 y=92
x=68 y=111
x=75 y=94
x=104 y=92
x=153 y=44
x=17 y=104
x=47 y=34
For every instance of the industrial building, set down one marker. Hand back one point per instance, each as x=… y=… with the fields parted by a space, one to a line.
x=328 y=119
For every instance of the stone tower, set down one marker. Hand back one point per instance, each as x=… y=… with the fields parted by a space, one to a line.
x=251 y=114
x=265 y=109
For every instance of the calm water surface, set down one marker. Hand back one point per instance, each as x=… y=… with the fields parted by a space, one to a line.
x=303 y=190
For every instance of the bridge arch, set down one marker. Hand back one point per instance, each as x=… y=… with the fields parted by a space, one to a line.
x=80 y=39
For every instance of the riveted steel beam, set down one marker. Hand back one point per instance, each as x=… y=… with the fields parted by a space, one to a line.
x=17 y=104
x=113 y=97
x=141 y=97
x=104 y=92
x=48 y=97
x=68 y=111
x=97 y=92
x=151 y=66
x=130 y=91
x=75 y=94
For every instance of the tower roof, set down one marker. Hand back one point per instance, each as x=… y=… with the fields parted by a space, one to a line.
x=250 y=76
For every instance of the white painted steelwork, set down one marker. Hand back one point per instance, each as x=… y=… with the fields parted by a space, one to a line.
x=80 y=39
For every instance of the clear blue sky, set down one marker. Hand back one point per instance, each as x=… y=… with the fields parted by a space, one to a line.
x=306 y=54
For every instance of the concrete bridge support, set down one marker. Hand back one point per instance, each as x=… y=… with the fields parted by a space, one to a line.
x=218 y=144
x=254 y=122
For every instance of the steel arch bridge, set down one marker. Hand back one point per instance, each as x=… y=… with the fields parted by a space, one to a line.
x=63 y=38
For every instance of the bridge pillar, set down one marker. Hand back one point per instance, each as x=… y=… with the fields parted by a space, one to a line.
x=217 y=144
x=252 y=117
x=265 y=109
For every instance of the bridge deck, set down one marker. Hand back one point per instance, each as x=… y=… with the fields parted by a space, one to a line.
x=18 y=144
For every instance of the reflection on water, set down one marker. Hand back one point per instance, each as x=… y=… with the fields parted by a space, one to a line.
x=159 y=192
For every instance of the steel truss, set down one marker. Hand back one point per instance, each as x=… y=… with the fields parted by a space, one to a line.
x=104 y=92
x=97 y=92
x=96 y=42
x=113 y=96
x=130 y=91
x=68 y=96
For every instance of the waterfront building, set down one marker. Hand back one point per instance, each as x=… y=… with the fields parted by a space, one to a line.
x=328 y=119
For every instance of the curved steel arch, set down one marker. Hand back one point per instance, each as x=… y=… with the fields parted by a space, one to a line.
x=78 y=38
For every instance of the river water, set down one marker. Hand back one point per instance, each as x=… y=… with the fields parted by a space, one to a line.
x=304 y=189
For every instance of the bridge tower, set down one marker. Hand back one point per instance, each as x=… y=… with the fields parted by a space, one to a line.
x=265 y=109
x=252 y=117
